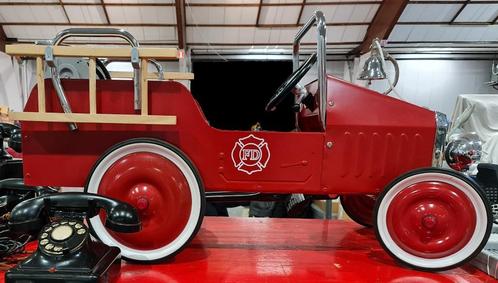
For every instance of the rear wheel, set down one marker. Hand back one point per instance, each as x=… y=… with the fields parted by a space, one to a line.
x=359 y=208
x=433 y=219
x=165 y=188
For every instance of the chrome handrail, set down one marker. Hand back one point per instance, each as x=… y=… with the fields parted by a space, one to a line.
x=91 y=32
x=109 y=32
x=94 y=32
x=160 y=72
x=321 y=48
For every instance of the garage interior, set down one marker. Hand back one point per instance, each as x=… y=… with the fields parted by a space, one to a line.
x=233 y=57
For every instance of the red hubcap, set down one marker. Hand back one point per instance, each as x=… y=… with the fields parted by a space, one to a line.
x=157 y=189
x=431 y=219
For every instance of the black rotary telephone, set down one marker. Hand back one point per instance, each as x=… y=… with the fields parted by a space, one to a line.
x=66 y=251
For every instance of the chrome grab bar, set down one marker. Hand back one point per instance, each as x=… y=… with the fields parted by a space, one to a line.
x=160 y=72
x=91 y=32
x=321 y=48
x=94 y=32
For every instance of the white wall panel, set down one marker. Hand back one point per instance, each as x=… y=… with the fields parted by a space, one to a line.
x=221 y=1
x=283 y=1
x=141 y=1
x=279 y=14
x=143 y=34
x=342 y=13
x=429 y=12
x=32 y=14
x=144 y=14
x=478 y=13
x=248 y=35
x=435 y=84
x=414 y=33
x=81 y=1
x=32 y=32
x=18 y=1
x=342 y=1
x=221 y=15
x=86 y=14
x=10 y=87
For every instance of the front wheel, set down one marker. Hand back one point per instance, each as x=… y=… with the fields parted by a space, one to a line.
x=433 y=219
x=165 y=188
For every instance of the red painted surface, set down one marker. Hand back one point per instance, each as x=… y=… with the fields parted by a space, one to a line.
x=264 y=250
x=14 y=153
x=159 y=191
x=431 y=219
x=55 y=156
x=376 y=138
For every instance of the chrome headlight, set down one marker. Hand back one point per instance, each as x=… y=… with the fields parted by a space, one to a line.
x=462 y=151
x=440 y=139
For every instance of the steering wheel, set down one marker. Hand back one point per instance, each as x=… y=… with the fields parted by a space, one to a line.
x=102 y=71
x=285 y=89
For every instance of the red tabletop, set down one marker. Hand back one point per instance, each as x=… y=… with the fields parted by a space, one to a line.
x=286 y=250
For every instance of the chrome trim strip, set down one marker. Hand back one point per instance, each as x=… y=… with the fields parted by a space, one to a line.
x=442 y=125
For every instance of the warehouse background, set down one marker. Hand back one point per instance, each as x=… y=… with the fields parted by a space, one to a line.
x=444 y=48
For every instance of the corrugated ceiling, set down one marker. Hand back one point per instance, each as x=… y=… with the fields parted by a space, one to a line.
x=252 y=22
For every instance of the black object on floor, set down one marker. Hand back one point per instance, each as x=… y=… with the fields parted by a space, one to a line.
x=66 y=251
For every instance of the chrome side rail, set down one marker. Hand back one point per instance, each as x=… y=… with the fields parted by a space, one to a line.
x=159 y=68
x=94 y=32
x=321 y=49
x=91 y=32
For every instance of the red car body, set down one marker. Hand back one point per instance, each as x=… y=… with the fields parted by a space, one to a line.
x=369 y=140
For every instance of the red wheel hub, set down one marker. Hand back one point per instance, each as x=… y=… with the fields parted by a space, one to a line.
x=159 y=191
x=431 y=219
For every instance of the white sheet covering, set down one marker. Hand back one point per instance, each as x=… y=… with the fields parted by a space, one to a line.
x=484 y=118
x=483 y=121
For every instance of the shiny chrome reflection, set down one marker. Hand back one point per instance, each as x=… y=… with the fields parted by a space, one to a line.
x=463 y=150
x=442 y=125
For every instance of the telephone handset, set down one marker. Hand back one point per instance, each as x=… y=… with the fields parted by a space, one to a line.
x=65 y=248
x=13 y=133
x=28 y=215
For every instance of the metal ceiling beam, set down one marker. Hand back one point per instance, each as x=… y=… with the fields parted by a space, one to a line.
x=329 y=3
x=102 y=3
x=459 y=11
x=87 y=24
x=181 y=24
x=301 y=12
x=240 y=25
x=171 y=25
x=382 y=24
x=495 y=20
x=259 y=12
x=3 y=39
x=446 y=23
x=452 y=2
x=64 y=10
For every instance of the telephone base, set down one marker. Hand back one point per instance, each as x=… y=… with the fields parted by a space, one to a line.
x=95 y=263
